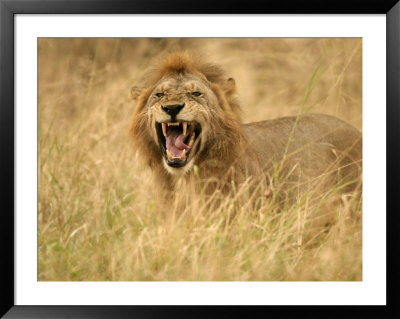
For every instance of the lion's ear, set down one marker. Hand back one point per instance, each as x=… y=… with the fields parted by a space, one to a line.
x=135 y=92
x=229 y=86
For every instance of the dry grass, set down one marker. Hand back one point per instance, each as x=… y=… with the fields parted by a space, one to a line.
x=98 y=216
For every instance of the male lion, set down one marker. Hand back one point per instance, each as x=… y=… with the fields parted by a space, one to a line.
x=187 y=116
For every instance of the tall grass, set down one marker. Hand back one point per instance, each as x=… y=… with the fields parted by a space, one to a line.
x=98 y=215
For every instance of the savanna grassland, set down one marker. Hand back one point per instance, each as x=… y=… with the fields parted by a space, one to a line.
x=99 y=218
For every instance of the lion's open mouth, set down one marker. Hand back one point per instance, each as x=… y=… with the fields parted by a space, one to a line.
x=177 y=140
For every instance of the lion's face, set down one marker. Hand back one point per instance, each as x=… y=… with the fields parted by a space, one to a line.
x=180 y=109
x=188 y=114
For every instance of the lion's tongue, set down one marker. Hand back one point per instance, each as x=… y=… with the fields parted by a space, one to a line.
x=175 y=143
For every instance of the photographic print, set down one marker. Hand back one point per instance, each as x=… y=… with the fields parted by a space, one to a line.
x=199 y=159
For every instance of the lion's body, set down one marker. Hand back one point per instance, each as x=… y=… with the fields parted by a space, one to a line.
x=306 y=151
x=310 y=150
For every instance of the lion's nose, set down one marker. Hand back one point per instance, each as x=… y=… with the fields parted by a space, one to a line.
x=173 y=109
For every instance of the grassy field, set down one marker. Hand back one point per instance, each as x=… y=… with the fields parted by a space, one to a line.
x=98 y=216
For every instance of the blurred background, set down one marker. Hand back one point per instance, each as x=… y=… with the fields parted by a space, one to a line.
x=94 y=204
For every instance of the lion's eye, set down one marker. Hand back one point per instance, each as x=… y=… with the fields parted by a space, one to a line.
x=196 y=93
x=159 y=94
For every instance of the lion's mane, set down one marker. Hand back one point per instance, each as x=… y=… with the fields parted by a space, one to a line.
x=227 y=137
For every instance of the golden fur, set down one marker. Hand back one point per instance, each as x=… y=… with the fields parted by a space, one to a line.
x=306 y=150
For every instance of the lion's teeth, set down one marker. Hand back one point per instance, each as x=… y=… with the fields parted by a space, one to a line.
x=169 y=155
x=164 y=129
x=173 y=124
x=191 y=141
x=184 y=124
x=183 y=155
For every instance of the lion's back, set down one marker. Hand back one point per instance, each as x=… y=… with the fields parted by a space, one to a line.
x=306 y=147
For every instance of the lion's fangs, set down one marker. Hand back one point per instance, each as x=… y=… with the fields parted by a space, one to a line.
x=184 y=126
x=183 y=155
x=171 y=157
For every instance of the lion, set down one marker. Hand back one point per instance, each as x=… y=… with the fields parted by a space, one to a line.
x=187 y=126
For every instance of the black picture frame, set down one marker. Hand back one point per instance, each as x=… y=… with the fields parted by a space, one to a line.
x=8 y=10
